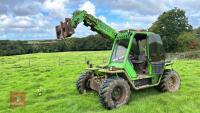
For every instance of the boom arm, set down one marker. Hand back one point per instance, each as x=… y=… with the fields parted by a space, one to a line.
x=66 y=28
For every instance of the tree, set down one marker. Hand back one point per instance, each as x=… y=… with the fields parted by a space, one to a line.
x=170 y=25
x=187 y=41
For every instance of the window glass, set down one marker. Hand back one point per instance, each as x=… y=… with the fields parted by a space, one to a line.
x=120 y=50
x=156 y=49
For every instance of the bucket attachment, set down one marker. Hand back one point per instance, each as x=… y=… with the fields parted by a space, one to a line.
x=64 y=30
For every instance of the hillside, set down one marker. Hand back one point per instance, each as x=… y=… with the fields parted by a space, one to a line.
x=49 y=82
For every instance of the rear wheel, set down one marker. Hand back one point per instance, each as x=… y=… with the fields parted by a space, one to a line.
x=82 y=83
x=170 y=82
x=114 y=92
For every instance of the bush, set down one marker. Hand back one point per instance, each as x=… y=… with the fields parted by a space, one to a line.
x=187 y=41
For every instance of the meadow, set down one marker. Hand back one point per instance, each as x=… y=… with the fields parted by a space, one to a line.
x=49 y=82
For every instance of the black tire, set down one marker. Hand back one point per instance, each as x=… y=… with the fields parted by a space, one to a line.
x=82 y=83
x=170 y=81
x=114 y=92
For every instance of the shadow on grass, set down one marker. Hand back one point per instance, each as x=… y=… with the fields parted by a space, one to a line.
x=136 y=95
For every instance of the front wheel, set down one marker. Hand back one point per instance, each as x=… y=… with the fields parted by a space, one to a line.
x=114 y=92
x=170 y=82
x=82 y=83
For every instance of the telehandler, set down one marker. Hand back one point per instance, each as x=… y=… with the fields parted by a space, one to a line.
x=137 y=61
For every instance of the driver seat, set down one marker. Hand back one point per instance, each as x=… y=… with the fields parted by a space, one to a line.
x=140 y=63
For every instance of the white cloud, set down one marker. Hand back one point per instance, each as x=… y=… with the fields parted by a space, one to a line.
x=56 y=8
x=23 y=21
x=103 y=18
x=192 y=8
x=26 y=20
x=126 y=25
x=4 y=20
x=55 y=5
x=26 y=8
x=141 y=6
x=24 y=26
x=144 y=12
x=88 y=6
x=82 y=30
x=22 y=18
x=134 y=23
x=187 y=4
x=134 y=20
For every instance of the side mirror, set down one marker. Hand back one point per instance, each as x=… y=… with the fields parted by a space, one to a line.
x=87 y=62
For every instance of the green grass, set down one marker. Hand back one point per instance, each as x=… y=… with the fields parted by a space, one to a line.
x=55 y=75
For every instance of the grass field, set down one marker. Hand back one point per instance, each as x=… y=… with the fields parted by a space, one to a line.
x=49 y=82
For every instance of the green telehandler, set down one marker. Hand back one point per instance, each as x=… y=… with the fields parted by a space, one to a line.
x=137 y=61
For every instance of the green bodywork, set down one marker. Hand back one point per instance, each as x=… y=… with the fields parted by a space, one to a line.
x=95 y=24
x=125 y=67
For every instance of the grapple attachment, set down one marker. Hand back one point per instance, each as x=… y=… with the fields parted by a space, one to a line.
x=65 y=29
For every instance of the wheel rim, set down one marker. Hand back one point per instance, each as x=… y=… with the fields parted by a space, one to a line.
x=172 y=82
x=117 y=94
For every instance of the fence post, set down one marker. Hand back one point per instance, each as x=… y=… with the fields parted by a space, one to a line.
x=29 y=62
x=59 y=61
x=85 y=59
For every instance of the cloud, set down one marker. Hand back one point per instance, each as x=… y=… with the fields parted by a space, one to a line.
x=88 y=6
x=126 y=25
x=192 y=10
x=15 y=22
x=137 y=14
x=103 y=18
x=17 y=27
x=25 y=19
x=192 y=5
x=56 y=8
x=144 y=13
x=141 y=6
x=3 y=9
x=82 y=30
x=26 y=8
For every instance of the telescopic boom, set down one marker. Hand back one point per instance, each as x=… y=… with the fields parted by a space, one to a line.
x=66 y=29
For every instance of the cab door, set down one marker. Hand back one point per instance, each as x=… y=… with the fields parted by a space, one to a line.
x=156 y=55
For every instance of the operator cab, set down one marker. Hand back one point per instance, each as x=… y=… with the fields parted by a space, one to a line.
x=147 y=50
x=138 y=53
x=146 y=53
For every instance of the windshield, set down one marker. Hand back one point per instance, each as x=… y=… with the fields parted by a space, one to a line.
x=120 y=50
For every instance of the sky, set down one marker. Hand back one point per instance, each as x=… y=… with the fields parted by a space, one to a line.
x=36 y=19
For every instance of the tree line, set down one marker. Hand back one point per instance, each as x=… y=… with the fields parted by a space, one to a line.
x=176 y=33
x=89 y=43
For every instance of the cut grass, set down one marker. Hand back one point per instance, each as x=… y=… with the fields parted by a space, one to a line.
x=55 y=74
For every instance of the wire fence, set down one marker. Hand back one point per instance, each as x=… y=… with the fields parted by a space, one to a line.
x=51 y=62
x=63 y=61
x=185 y=55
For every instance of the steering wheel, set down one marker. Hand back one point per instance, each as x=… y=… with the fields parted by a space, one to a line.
x=133 y=60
